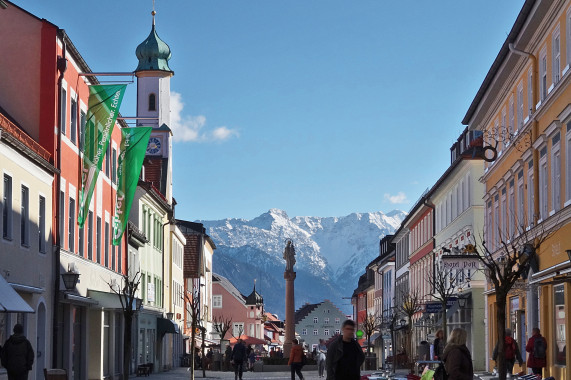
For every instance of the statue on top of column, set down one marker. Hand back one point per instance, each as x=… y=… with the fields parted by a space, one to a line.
x=289 y=256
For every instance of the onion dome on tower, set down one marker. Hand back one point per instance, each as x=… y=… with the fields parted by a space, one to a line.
x=153 y=53
x=254 y=298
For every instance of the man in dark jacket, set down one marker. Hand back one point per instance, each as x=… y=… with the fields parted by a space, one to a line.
x=537 y=358
x=511 y=352
x=17 y=355
x=238 y=358
x=344 y=355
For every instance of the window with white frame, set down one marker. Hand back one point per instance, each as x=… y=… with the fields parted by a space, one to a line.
x=568 y=163
x=73 y=120
x=315 y=332
x=217 y=301
x=7 y=212
x=237 y=328
x=42 y=225
x=556 y=172
x=543 y=75
x=503 y=230
x=529 y=92
x=468 y=192
x=25 y=217
x=326 y=332
x=504 y=126
x=495 y=222
x=520 y=199
x=337 y=320
x=489 y=222
x=63 y=110
x=71 y=225
x=519 y=106
x=511 y=112
x=303 y=331
x=326 y=320
x=511 y=210
x=337 y=331
x=556 y=57
x=315 y=319
x=530 y=194
x=459 y=198
x=543 y=183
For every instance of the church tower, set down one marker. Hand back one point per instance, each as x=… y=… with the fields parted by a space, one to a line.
x=153 y=106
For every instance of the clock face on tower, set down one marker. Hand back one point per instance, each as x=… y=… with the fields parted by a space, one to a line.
x=154 y=146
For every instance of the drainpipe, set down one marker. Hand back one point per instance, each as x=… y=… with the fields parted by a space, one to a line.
x=61 y=67
x=534 y=129
x=532 y=306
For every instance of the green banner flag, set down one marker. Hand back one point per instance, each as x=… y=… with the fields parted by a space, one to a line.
x=104 y=103
x=133 y=148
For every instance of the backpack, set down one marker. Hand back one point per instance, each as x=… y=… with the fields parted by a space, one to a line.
x=539 y=348
x=509 y=349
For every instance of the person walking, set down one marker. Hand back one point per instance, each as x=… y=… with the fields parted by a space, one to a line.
x=439 y=344
x=17 y=355
x=321 y=351
x=345 y=355
x=511 y=352
x=238 y=358
x=227 y=357
x=296 y=359
x=537 y=348
x=456 y=356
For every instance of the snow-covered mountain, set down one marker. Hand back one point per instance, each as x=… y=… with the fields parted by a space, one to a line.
x=331 y=253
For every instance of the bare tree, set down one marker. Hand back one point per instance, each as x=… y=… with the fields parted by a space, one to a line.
x=222 y=324
x=444 y=284
x=409 y=304
x=192 y=306
x=370 y=325
x=505 y=263
x=127 y=294
x=239 y=329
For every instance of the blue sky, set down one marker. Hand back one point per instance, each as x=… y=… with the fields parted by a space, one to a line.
x=317 y=107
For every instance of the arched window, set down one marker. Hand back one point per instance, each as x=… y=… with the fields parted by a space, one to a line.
x=152 y=102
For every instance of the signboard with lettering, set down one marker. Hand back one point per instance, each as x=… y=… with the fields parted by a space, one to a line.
x=460 y=262
x=436 y=307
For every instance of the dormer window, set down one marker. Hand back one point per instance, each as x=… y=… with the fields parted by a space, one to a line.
x=152 y=102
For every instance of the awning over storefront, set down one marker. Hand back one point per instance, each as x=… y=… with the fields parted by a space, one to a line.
x=10 y=300
x=375 y=336
x=107 y=300
x=166 y=326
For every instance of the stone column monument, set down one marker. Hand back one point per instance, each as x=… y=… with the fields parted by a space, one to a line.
x=289 y=276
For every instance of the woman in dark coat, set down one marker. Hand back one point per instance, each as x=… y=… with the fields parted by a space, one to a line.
x=439 y=344
x=457 y=358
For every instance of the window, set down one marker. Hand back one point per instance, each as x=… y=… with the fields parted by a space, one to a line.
x=315 y=332
x=315 y=319
x=559 y=319
x=529 y=92
x=106 y=248
x=61 y=216
x=98 y=240
x=152 y=102
x=113 y=261
x=326 y=332
x=73 y=120
x=326 y=320
x=520 y=199
x=217 y=301
x=511 y=111
x=7 y=208
x=511 y=210
x=556 y=172
x=495 y=222
x=108 y=160
x=71 y=225
x=82 y=123
x=489 y=224
x=556 y=59
x=114 y=166
x=337 y=331
x=530 y=193
x=90 y=235
x=303 y=331
x=42 y=225
x=25 y=217
x=63 y=110
x=543 y=76
x=503 y=216
x=519 y=106
x=504 y=126
x=543 y=183
x=81 y=241
x=337 y=320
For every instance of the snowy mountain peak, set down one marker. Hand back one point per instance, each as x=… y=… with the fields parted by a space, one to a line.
x=331 y=252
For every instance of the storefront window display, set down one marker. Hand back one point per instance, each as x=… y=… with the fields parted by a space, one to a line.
x=560 y=348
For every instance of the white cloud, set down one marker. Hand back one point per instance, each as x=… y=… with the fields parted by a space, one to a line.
x=193 y=128
x=398 y=198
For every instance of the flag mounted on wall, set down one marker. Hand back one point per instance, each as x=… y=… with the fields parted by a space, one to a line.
x=134 y=143
x=104 y=103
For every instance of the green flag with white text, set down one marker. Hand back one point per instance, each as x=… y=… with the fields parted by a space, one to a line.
x=134 y=143
x=104 y=103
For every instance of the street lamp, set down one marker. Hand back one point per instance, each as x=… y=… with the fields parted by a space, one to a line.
x=402 y=322
x=70 y=279
x=461 y=302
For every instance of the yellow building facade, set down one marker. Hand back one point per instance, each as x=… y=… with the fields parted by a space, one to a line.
x=524 y=109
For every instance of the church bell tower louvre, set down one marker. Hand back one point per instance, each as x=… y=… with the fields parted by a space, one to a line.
x=153 y=101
